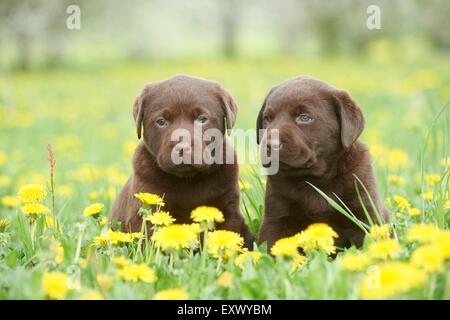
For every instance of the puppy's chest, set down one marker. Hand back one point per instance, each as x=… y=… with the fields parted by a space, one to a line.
x=305 y=199
x=182 y=198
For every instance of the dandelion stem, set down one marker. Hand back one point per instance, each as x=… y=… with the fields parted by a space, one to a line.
x=219 y=264
x=144 y=213
x=204 y=249
x=33 y=234
x=80 y=239
x=171 y=261
x=51 y=159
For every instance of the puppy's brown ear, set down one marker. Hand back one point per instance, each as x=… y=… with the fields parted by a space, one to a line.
x=138 y=113
x=229 y=107
x=141 y=104
x=351 y=118
x=260 y=119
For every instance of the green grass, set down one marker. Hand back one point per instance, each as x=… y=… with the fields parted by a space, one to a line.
x=85 y=113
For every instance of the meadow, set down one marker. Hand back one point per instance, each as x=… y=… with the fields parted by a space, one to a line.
x=67 y=251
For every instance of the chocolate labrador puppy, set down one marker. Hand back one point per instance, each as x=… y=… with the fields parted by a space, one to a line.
x=318 y=127
x=166 y=112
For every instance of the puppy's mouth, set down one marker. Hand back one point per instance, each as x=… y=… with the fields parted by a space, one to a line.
x=184 y=170
x=305 y=165
x=294 y=168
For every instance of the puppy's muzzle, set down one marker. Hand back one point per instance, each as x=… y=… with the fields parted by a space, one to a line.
x=273 y=145
x=182 y=149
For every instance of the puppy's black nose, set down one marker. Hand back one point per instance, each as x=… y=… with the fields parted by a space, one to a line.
x=273 y=145
x=182 y=148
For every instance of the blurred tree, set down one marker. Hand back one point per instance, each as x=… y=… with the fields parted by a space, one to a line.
x=326 y=19
x=229 y=16
x=290 y=17
x=34 y=30
x=20 y=20
x=34 y=26
x=435 y=15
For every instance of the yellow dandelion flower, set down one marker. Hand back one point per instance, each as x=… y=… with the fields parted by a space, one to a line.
x=379 y=231
x=116 y=176
x=10 y=201
x=136 y=235
x=113 y=237
x=58 y=250
x=93 y=209
x=55 y=285
x=414 y=212
x=110 y=193
x=384 y=249
x=245 y=185
x=34 y=209
x=64 y=191
x=443 y=243
x=223 y=243
x=225 y=280
x=32 y=193
x=99 y=241
x=195 y=227
x=377 y=150
x=175 y=236
x=172 y=294
x=121 y=261
x=394 y=159
x=129 y=147
x=5 y=181
x=149 y=199
x=49 y=222
x=103 y=221
x=4 y=223
x=427 y=196
x=207 y=214
x=137 y=272
x=390 y=279
x=298 y=262
x=116 y=237
x=83 y=263
x=87 y=173
x=37 y=178
x=242 y=258
x=161 y=218
x=285 y=247
x=104 y=281
x=397 y=180
x=398 y=159
x=318 y=236
x=445 y=162
x=355 y=261
x=401 y=203
x=429 y=258
x=93 y=195
x=423 y=233
x=447 y=205
x=2 y=158
x=432 y=179
x=91 y=295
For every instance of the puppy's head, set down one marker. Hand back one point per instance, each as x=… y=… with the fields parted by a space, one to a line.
x=168 y=115
x=315 y=123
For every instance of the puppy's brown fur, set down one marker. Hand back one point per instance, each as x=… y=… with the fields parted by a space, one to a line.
x=324 y=152
x=180 y=100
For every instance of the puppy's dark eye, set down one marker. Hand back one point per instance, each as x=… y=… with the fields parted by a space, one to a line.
x=304 y=118
x=201 y=119
x=161 y=122
x=267 y=119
